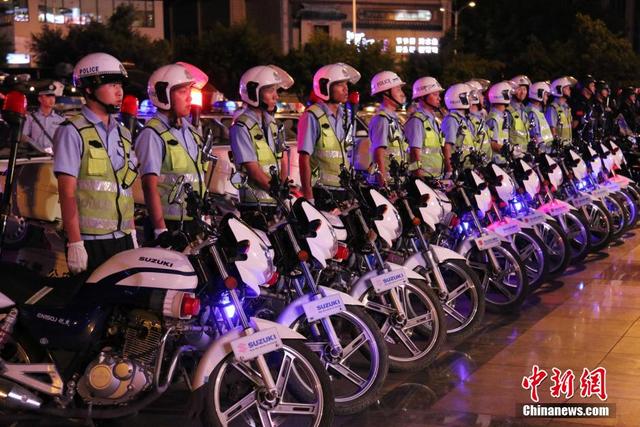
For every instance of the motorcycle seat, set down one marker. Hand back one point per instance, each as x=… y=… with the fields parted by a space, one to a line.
x=26 y=287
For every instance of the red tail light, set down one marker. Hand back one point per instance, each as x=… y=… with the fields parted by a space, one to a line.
x=455 y=221
x=273 y=279
x=342 y=253
x=190 y=306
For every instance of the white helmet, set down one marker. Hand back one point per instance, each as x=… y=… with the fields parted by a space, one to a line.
x=521 y=80
x=424 y=86
x=333 y=73
x=559 y=83
x=500 y=93
x=537 y=90
x=457 y=97
x=476 y=91
x=97 y=69
x=482 y=83
x=170 y=76
x=384 y=81
x=261 y=76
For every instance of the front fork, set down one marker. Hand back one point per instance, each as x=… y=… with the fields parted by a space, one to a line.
x=492 y=256
x=265 y=372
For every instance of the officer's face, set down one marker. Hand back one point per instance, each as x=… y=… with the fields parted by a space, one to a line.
x=269 y=96
x=545 y=97
x=47 y=101
x=181 y=100
x=592 y=87
x=521 y=93
x=566 y=91
x=604 y=93
x=398 y=94
x=110 y=93
x=433 y=99
x=340 y=92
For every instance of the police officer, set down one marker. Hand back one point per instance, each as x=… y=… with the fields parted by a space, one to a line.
x=169 y=147
x=582 y=100
x=539 y=128
x=602 y=113
x=385 y=132
x=422 y=129
x=322 y=132
x=497 y=123
x=629 y=109
x=558 y=112
x=41 y=125
x=94 y=168
x=456 y=127
x=477 y=114
x=518 y=126
x=254 y=136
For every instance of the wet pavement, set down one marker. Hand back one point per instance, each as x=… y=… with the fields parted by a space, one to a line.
x=587 y=318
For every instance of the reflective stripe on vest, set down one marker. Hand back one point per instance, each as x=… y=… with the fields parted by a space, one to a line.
x=564 y=121
x=502 y=136
x=328 y=153
x=431 y=158
x=543 y=130
x=176 y=163
x=396 y=143
x=104 y=196
x=266 y=159
x=518 y=134
x=481 y=140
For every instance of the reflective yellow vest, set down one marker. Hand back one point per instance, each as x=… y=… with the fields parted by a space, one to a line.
x=544 y=134
x=104 y=196
x=431 y=158
x=266 y=158
x=564 y=121
x=518 y=132
x=328 y=153
x=396 y=143
x=502 y=135
x=176 y=163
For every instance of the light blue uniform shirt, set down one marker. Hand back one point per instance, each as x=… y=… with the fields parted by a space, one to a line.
x=414 y=129
x=309 y=128
x=241 y=144
x=34 y=133
x=552 y=114
x=67 y=145
x=150 y=146
x=379 y=129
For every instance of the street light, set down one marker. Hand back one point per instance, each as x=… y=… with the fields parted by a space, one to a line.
x=456 y=14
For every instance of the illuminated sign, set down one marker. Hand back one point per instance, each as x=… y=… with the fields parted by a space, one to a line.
x=413 y=15
x=358 y=38
x=18 y=58
x=417 y=45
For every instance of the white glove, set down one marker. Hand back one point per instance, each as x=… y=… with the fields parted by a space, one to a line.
x=134 y=238
x=158 y=231
x=77 y=257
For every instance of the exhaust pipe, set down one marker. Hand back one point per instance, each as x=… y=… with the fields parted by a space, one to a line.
x=13 y=396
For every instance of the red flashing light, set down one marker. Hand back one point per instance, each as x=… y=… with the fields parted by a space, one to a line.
x=342 y=253
x=196 y=97
x=354 y=98
x=273 y=279
x=15 y=102
x=230 y=282
x=190 y=306
x=130 y=105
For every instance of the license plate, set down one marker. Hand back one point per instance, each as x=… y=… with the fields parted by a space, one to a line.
x=323 y=307
x=487 y=242
x=600 y=192
x=612 y=186
x=559 y=210
x=387 y=281
x=507 y=229
x=249 y=347
x=533 y=218
x=580 y=200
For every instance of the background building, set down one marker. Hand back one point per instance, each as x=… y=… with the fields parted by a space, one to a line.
x=19 y=19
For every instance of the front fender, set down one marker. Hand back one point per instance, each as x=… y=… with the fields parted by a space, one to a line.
x=221 y=347
x=364 y=282
x=294 y=309
x=442 y=254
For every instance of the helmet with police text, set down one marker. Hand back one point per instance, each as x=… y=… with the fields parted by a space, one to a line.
x=261 y=76
x=500 y=93
x=172 y=76
x=330 y=74
x=561 y=82
x=538 y=89
x=97 y=69
x=457 y=97
x=384 y=81
x=425 y=86
x=521 y=80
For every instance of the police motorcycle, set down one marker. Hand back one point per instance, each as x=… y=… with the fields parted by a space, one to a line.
x=523 y=238
x=568 y=216
x=447 y=272
x=490 y=254
x=620 y=172
x=521 y=205
x=107 y=345
x=405 y=308
x=346 y=338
